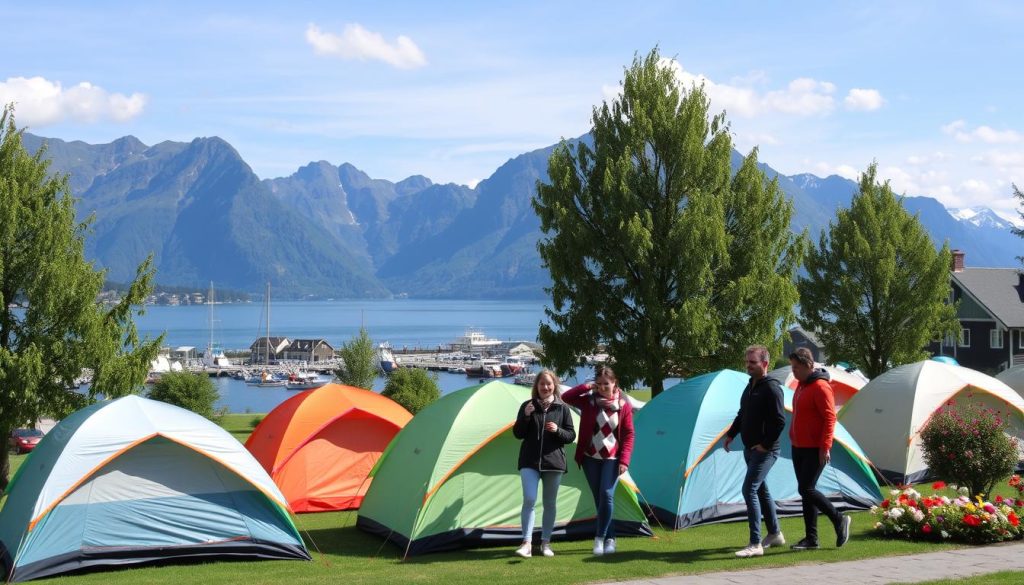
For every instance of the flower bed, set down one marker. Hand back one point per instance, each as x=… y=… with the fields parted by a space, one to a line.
x=911 y=515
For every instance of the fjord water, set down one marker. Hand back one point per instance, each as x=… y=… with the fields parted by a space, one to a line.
x=401 y=322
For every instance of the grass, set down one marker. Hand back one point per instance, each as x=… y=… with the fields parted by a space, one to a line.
x=1000 y=578
x=341 y=553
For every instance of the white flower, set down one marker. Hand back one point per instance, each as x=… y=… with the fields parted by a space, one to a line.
x=894 y=493
x=874 y=509
x=918 y=515
x=963 y=491
x=912 y=493
x=895 y=513
x=945 y=500
x=878 y=525
x=944 y=534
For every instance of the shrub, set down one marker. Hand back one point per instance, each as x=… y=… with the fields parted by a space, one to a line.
x=412 y=388
x=359 y=362
x=955 y=517
x=255 y=421
x=967 y=444
x=194 y=392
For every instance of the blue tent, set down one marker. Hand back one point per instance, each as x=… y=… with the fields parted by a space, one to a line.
x=134 y=481
x=946 y=359
x=686 y=476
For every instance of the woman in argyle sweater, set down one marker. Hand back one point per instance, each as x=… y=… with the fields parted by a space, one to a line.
x=604 y=447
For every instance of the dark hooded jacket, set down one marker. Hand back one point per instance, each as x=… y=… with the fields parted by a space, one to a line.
x=762 y=414
x=540 y=449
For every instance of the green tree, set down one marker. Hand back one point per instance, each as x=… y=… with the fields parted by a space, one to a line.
x=190 y=391
x=1019 y=231
x=359 y=361
x=413 y=388
x=655 y=250
x=876 y=289
x=51 y=325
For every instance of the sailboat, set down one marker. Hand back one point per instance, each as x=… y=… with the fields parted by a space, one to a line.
x=266 y=378
x=214 y=358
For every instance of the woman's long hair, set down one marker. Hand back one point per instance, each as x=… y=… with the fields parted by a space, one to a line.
x=536 y=381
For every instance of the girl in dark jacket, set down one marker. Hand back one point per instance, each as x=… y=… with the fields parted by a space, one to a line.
x=544 y=425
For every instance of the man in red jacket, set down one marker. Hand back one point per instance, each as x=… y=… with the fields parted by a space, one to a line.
x=814 y=420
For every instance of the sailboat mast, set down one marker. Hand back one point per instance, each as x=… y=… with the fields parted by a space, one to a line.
x=268 y=322
x=209 y=301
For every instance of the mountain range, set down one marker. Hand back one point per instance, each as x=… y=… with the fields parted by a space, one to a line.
x=332 y=231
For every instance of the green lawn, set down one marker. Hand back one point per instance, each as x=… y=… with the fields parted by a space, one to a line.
x=341 y=553
x=1002 y=578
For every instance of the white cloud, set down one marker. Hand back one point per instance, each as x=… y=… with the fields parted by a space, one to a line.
x=864 y=100
x=823 y=169
x=39 y=102
x=801 y=97
x=962 y=133
x=358 y=43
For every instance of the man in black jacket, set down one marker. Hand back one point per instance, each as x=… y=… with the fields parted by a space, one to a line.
x=760 y=420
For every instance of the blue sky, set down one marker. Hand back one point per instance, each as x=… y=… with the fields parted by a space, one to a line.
x=932 y=91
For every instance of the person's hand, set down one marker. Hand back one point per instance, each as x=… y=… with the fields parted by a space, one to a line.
x=728 y=441
x=529 y=408
x=622 y=468
x=760 y=449
x=550 y=427
x=824 y=456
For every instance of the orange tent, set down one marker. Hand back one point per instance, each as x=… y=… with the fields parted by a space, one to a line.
x=319 y=445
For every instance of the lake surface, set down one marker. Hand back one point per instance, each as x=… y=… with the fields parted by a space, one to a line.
x=404 y=322
x=412 y=323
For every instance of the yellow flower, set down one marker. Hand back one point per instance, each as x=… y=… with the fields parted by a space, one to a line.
x=970 y=507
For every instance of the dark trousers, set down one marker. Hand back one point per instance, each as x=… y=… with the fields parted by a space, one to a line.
x=808 y=469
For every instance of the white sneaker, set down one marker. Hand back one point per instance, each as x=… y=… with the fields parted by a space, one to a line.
x=598 y=546
x=609 y=546
x=546 y=550
x=753 y=550
x=773 y=540
x=525 y=550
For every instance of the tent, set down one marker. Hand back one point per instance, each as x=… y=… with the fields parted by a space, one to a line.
x=844 y=384
x=1014 y=378
x=449 y=479
x=684 y=473
x=888 y=414
x=946 y=359
x=319 y=445
x=133 y=481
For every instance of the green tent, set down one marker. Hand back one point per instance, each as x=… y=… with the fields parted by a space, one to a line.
x=449 y=479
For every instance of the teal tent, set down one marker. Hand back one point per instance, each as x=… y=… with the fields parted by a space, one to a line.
x=686 y=477
x=134 y=481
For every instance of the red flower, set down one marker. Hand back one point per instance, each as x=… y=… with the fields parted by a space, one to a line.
x=972 y=520
x=1014 y=520
x=885 y=503
x=938 y=485
x=999 y=499
x=927 y=529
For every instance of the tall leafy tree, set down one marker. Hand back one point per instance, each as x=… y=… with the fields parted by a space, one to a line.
x=51 y=325
x=876 y=289
x=1019 y=231
x=413 y=388
x=359 y=361
x=655 y=250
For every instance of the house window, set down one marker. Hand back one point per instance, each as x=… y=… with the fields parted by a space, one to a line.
x=965 y=337
x=995 y=339
x=1020 y=339
x=949 y=341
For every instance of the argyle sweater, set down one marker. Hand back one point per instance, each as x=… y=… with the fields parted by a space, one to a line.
x=581 y=398
x=604 y=444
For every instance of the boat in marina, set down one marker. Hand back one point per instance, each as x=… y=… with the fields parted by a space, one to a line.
x=475 y=341
x=525 y=379
x=386 y=361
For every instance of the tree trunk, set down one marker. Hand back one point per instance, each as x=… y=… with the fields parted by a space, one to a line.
x=5 y=466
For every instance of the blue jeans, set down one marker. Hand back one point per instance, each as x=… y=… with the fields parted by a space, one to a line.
x=530 y=478
x=756 y=494
x=603 y=476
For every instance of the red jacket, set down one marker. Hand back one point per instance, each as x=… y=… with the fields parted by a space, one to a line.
x=814 y=414
x=582 y=398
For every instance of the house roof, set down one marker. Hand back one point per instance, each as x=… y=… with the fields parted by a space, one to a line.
x=998 y=290
x=308 y=344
